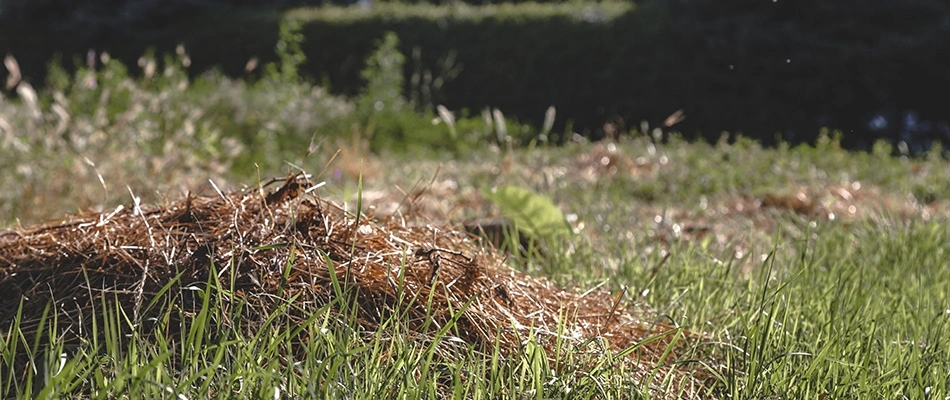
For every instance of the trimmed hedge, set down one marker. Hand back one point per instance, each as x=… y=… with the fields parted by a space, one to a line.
x=817 y=62
x=758 y=67
x=520 y=59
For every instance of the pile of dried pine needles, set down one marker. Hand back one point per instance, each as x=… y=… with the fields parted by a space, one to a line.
x=268 y=245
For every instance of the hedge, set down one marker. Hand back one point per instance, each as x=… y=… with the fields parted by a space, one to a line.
x=759 y=67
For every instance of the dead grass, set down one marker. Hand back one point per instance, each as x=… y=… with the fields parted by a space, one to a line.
x=730 y=223
x=269 y=245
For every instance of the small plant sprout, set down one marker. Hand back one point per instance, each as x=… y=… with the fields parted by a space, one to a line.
x=501 y=128
x=446 y=116
x=549 y=116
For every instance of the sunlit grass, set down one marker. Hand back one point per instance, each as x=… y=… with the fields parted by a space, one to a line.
x=191 y=354
x=808 y=272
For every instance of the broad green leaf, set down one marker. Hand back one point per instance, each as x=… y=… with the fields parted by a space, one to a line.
x=532 y=213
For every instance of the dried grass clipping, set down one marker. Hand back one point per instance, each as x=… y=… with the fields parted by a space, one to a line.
x=250 y=238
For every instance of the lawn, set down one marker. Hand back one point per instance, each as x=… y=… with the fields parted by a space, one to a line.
x=780 y=272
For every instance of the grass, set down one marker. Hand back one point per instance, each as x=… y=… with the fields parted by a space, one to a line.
x=809 y=272
x=323 y=356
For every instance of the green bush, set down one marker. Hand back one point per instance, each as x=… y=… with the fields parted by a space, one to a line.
x=748 y=67
x=751 y=67
x=101 y=125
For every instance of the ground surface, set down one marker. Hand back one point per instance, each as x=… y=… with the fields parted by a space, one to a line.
x=803 y=272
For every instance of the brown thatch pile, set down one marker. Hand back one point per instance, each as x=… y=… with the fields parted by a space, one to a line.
x=249 y=239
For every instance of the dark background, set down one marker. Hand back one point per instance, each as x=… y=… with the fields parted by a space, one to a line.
x=766 y=69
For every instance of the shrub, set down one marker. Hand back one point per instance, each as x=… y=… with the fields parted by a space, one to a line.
x=152 y=134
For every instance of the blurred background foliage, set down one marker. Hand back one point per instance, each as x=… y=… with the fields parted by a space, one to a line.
x=768 y=69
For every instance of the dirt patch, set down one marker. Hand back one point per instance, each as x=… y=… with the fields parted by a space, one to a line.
x=270 y=245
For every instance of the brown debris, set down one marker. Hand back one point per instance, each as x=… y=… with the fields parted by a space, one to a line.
x=851 y=201
x=606 y=160
x=248 y=239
